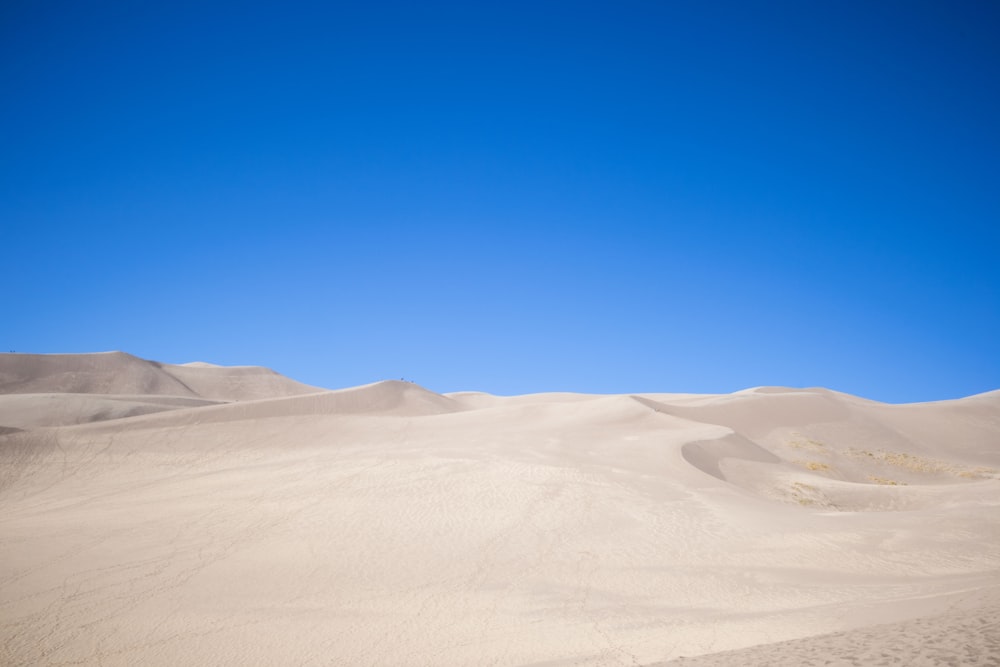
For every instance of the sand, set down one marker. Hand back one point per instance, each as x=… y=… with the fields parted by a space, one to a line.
x=163 y=514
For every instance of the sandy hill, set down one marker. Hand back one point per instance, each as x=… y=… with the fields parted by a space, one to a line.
x=123 y=374
x=63 y=389
x=158 y=514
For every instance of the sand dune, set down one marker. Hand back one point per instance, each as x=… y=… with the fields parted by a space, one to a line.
x=235 y=383
x=386 y=398
x=65 y=389
x=124 y=374
x=158 y=514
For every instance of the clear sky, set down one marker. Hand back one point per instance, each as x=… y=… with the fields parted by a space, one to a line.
x=511 y=196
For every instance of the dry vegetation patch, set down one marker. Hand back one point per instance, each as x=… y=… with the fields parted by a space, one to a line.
x=921 y=464
x=799 y=441
x=815 y=466
x=885 y=482
x=807 y=495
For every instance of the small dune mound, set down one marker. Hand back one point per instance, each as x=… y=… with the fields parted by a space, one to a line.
x=390 y=398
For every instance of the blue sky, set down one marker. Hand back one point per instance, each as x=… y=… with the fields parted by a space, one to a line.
x=517 y=197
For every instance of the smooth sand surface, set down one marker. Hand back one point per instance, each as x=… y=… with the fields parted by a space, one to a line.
x=157 y=514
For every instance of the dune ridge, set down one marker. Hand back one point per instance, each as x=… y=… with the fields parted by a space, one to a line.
x=162 y=514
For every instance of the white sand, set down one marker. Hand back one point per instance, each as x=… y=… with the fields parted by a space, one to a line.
x=162 y=515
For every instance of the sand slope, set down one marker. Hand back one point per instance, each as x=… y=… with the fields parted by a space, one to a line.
x=389 y=525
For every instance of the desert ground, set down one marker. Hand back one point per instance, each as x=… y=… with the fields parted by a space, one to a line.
x=157 y=514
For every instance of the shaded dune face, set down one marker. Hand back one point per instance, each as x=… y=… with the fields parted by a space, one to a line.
x=161 y=514
x=708 y=455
